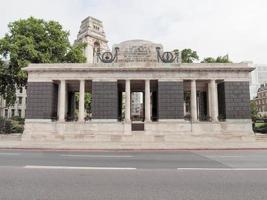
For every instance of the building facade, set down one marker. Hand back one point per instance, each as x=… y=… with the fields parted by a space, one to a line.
x=261 y=99
x=178 y=99
x=18 y=109
x=258 y=77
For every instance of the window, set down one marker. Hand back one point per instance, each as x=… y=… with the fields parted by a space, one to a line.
x=12 y=112
x=19 y=112
x=96 y=27
x=6 y=113
x=20 y=100
x=20 y=90
x=96 y=48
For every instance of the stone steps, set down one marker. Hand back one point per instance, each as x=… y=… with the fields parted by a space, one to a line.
x=140 y=140
x=261 y=137
x=12 y=137
x=150 y=138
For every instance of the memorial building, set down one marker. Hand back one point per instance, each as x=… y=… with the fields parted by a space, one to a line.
x=174 y=98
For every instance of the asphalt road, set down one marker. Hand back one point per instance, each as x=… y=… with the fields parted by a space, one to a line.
x=172 y=175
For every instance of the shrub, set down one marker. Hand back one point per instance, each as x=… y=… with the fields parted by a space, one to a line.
x=8 y=127
x=18 y=119
x=2 y=125
x=17 y=127
x=14 y=125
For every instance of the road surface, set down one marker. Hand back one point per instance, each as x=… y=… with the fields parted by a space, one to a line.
x=133 y=175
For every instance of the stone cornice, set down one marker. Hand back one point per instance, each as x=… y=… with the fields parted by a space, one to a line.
x=71 y=67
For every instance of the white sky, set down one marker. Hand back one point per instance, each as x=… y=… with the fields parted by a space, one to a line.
x=211 y=27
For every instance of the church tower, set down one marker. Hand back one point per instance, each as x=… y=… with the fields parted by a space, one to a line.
x=92 y=33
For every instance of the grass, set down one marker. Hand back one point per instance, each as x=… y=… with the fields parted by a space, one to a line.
x=260 y=124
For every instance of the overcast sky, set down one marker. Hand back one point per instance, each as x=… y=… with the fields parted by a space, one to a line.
x=211 y=27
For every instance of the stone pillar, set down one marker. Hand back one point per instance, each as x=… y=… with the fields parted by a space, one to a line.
x=62 y=100
x=147 y=101
x=127 y=101
x=214 y=101
x=209 y=99
x=81 y=100
x=193 y=101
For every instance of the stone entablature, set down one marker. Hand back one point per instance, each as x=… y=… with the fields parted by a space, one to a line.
x=135 y=65
x=49 y=72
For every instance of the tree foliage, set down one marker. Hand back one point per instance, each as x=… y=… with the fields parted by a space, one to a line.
x=75 y=54
x=87 y=100
x=7 y=82
x=33 y=41
x=219 y=59
x=253 y=110
x=189 y=56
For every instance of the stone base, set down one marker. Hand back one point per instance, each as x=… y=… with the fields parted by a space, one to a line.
x=121 y=132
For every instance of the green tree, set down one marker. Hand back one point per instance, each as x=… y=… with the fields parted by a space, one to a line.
x=33 y=41
x=189 y=56
x=208 y=60
x=75 y=54
x=7 y=82
x=87 y=100
x=253 y=110
x=223 y=59
x=219 y=59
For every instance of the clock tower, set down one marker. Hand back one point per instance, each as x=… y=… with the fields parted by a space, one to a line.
x=92 y=33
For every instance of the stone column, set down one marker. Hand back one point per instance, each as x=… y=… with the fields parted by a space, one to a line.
x=62 y=100
x=81 y=100
x=147 y=101
x=209 y=100
x=127 y=101
x=193 y=101
x=214 y=101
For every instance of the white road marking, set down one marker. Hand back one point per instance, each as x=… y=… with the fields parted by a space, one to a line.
x=96 y=156
x=222 y=169
x=224 y=156
x=79 y=168
x=9 y=154
x=236 y=156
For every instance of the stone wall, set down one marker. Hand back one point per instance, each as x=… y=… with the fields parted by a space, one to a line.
x=170 y=100
x=236 y=100
x=105 y=100
x=42 y=100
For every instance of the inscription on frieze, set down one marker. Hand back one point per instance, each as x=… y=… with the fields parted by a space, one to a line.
x=137 y=51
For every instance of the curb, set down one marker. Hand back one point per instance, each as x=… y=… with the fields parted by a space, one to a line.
x=126 y=150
